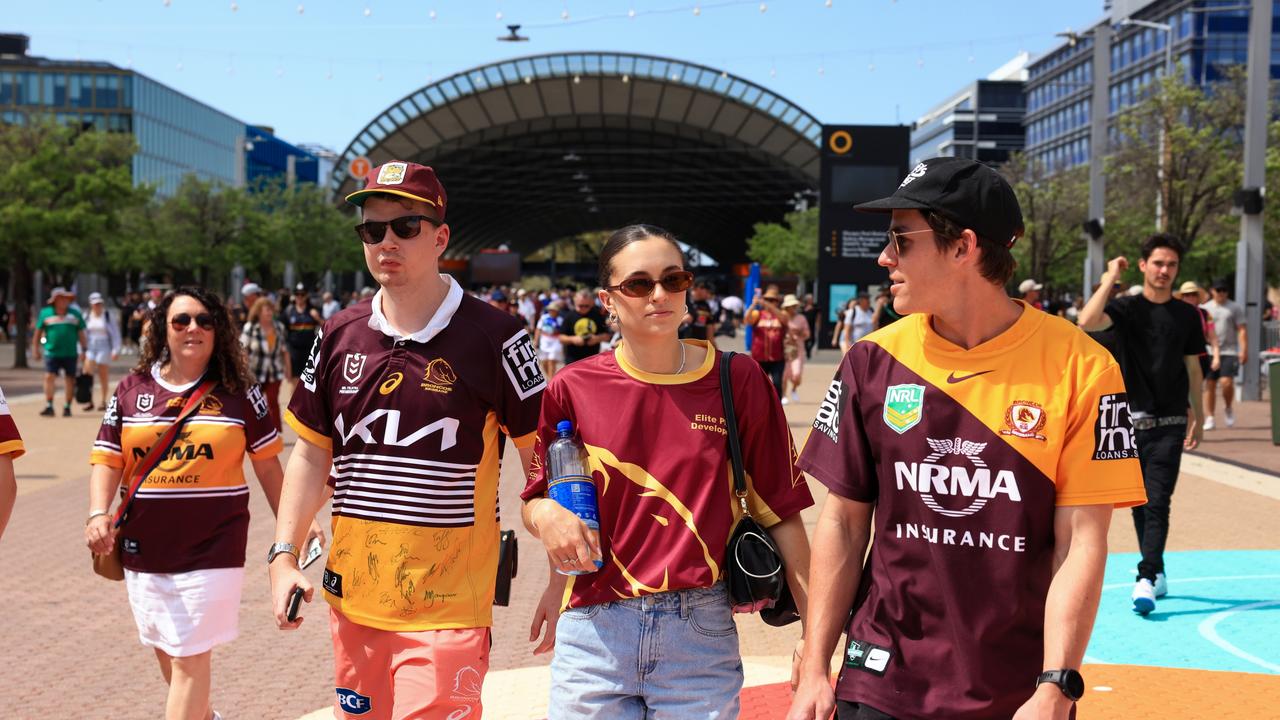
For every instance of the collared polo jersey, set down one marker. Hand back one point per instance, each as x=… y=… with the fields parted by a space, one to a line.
x=414 y=427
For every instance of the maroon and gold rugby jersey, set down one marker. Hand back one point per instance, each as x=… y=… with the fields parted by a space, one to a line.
x=659 y=455
x=966 y=454
x=414 y=427
x=192 y=512
x=10 y=440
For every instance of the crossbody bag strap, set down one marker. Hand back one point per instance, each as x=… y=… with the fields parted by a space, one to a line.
x=160 y=449
x=731 y=421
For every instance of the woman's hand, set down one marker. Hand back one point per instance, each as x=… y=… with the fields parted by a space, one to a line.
x=546 y=614
x=570 y=544
x=99 y=536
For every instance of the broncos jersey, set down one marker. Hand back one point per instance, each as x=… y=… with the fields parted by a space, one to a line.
x=966 y=455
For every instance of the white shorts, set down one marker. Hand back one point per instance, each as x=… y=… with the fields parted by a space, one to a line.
x=98 y=357
x=185 y=614
x=556 y=354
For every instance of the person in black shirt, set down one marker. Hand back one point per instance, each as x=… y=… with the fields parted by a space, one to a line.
x=301 y=320
x=813 y=314
x=1157 y=342
x=700 y=319
x=583 y=328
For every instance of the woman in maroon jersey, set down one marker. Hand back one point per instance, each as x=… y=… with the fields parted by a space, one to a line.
x=652 y=630
x=770 y=332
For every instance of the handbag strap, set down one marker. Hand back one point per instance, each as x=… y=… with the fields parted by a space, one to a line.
x=160 y=449
x=731 y=421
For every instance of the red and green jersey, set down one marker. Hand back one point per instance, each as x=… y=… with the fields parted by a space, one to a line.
x=10 y=440
x=415 y=424
x=966 y=454
x=192 y=512
x=658 y=453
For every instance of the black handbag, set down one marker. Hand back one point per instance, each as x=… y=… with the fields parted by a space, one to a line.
x=508 y=566
x=754 y=572
x=84 y=388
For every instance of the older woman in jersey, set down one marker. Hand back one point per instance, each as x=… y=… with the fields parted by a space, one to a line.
x=269 y=363
x=651 y=418
x=183 y=541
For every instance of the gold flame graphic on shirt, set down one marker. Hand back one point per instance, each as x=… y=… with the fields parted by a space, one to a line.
x=601 y=459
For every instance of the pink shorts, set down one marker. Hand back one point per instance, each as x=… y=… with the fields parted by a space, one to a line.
x=429 y=674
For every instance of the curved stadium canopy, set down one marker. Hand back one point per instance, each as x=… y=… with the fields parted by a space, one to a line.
x=535 y=149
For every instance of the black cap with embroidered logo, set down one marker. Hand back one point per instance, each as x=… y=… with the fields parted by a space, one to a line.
x=966 y=192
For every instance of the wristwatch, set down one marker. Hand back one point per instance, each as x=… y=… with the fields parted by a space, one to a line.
x=282 y=547
x=1070 y=682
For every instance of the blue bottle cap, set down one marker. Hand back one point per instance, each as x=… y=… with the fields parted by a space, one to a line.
x=564 y=428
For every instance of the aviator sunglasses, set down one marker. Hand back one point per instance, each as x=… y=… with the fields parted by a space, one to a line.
x=182 y=321
x=639 y=287
x=373 y=231
x=894 y=237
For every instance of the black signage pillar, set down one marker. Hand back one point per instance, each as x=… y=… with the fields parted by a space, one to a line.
x=859 y=163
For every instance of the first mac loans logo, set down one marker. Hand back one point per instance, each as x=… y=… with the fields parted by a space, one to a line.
x=521 y=363
x=828 y=419
x=1113 y=432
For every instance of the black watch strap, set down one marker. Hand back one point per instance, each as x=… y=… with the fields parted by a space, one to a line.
x=1070 y=682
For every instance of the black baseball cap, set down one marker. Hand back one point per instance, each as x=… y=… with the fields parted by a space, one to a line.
x=966 y=192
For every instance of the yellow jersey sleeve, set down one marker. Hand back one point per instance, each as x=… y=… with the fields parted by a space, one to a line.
x=1099 y=461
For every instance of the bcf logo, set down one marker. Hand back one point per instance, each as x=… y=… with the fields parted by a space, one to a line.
x=352 y=702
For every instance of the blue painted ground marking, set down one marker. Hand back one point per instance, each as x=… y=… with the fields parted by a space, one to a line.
x=1222 y=613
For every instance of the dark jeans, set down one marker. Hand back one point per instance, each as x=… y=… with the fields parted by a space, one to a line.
x=1159 y=453
x=846 y=710
x=808 y=347
x=774 y=368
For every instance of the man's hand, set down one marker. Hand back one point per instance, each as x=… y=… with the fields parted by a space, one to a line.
x=1195 y=432
x=315 y=531
x=814 y=698
x=285 y=576
x=1116 y=268
x=99 y=536
x=1048 y=703
x=1216 y=363
x=545 y=616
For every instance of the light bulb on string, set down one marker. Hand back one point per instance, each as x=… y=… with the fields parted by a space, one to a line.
x=234 y=7
x=773 y=72
x=179 y=67
x=626 y=78
x=724 y=74
x=498 y=16
x=564 y=14
x=697 y=10
x=368 y=11
x=432 y=15
x=827 y=3
x=301 y=9
x=528 y=80
x=167 y=3
x=822 y=70
x=763 y=7
x=577 y=79
x=631 y=14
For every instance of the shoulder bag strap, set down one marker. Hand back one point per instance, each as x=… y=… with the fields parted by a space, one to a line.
x=160 y=449
x=731 y=421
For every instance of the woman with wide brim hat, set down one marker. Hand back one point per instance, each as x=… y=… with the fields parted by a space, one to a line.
x=798 y=332
x=770 y=330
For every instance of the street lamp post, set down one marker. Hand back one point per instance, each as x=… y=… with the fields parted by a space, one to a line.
x=1168 y=71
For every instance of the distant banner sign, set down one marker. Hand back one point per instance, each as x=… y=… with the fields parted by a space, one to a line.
x=859 y=163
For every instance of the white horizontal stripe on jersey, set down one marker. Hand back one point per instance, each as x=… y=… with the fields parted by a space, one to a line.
x=424 y=519
x=135 y=421
x=388 y=499
x=211 y=491
x=168 y=494
x=468 y=510
x=365 y=488
x=406 y=460
x=397 y=468
x=264 y=441
x=107 y=446
x=467 y=482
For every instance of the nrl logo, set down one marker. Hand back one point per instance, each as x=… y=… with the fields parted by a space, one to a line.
x=144 y=402
x=353 y=366
x=903 y=407
x=1024 y=419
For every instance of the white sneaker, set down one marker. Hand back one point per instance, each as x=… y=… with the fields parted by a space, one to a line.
x=1208 y=423
x=1161 y=585
x=217 y=715
x=1231 y=417
x=1144 y=597
x=795 y=397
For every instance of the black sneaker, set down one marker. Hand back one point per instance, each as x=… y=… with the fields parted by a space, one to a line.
x=47 y=411
x=66 y=411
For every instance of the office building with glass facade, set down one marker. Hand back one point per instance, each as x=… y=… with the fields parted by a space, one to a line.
x=176 y=134
x=982 y=122
x=1207 y=36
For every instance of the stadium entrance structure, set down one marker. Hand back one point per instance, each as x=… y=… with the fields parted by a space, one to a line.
x=539 y=148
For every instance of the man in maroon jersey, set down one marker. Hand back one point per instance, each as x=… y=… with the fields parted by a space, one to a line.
x=402 y=407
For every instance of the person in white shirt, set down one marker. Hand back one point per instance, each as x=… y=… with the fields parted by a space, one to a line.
x=863 y=317
x=103 y=333
x=330 y=307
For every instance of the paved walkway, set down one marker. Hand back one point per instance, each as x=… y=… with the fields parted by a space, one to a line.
x=70 y=647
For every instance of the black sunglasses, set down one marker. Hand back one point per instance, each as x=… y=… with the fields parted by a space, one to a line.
x=182 y=321
x=373 y=231
x=639 y=287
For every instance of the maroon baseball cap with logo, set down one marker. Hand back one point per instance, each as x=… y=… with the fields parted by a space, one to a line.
x=405 y=179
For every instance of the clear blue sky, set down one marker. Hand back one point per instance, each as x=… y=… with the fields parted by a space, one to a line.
x=314 y=75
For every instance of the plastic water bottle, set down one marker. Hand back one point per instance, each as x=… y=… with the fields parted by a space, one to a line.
x=570 y=483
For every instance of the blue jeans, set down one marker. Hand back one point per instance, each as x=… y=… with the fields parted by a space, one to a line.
x=670 y=656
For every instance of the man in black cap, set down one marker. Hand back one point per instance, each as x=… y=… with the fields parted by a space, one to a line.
x=301 y=320
x=990 y=443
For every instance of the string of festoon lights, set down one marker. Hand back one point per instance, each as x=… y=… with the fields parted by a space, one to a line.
x=822 y=60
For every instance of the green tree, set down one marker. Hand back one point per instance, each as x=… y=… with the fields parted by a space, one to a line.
x=790 y=248
x=301 y=224
x=1202 y=165
x=1053 y=210
x=63 y=191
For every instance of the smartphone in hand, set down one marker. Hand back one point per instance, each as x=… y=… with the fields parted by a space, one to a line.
x=295 y=600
